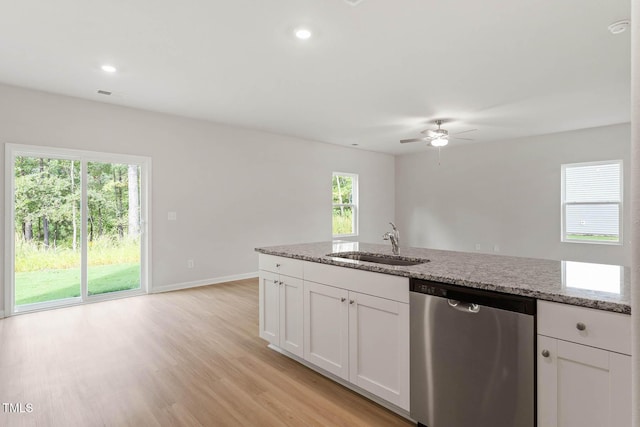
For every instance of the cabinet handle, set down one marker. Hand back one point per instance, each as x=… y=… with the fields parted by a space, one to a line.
x=281 y=283
x=545 y=353
x=343 y=299
x=275 y=281
x=352 y=301
x=277 y=265
x=581 y=326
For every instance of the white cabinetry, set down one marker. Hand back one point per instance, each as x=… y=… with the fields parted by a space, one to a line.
x=357 y=336
x=351 y=323
x=280 y=308
x=584 y=367
x=379 y=347
x=326 y=328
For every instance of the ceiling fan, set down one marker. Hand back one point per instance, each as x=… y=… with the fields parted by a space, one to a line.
x=437 y=137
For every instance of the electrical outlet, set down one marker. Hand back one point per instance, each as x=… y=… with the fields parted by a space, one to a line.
x=496 y=248
x=172 y=216
x=190 y=263
x=478 y=246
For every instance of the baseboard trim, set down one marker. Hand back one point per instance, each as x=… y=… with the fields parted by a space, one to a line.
x=1 y=314
x=205 y=282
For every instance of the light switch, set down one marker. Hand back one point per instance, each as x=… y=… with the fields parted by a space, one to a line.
x=172 y=216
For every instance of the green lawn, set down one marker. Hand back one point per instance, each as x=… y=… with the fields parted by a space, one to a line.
x=48 y=285
x=602 y=238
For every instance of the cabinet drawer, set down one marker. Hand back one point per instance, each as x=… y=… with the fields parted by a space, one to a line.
x=276 y=264
x=602 y=329
x=366 y=282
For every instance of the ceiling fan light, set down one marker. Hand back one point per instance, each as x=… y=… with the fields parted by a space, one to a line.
x=303 y=33
x=109 y=68
x=439 y=142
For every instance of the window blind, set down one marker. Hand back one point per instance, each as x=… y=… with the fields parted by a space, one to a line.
x=594 y=183
x=592 y=202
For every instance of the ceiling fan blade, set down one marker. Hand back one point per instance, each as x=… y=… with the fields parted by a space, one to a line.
x=465 y=139
x=404 y=141
x=464 y=131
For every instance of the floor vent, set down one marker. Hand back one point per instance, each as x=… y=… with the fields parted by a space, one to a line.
x=353 y=2
x=104 y=92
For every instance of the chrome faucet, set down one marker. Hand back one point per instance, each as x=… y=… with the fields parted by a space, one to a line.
x=394 y=237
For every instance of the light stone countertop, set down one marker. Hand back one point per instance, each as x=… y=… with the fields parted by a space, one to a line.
x=599 y=286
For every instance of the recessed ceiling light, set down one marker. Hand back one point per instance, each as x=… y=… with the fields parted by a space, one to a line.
x=109 y=69
x=619 y=27
x=303 y=33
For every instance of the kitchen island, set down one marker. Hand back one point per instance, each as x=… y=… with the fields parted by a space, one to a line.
x=348 y=317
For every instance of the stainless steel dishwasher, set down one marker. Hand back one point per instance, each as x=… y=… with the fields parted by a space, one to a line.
x=472 y=357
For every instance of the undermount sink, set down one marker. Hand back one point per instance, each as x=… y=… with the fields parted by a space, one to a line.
x=379 y=259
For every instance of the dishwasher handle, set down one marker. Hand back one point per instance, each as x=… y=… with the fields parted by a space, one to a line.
x=465 y=307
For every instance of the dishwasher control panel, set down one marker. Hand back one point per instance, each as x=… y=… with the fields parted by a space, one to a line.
x=510 y=302
x=429 y=289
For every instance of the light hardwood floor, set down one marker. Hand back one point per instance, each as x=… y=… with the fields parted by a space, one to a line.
x=184 y=358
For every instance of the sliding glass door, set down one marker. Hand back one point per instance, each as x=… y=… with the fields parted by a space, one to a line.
x=113 y=248
x=78 y=225
x=47 y=257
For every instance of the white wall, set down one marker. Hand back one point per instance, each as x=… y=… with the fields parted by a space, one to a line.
x=635 y=209
x=233 y=189
x=505 y=193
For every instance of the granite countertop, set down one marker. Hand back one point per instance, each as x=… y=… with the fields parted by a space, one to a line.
x=599 y=286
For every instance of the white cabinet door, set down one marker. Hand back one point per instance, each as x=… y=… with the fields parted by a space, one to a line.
x=291 y=320
x=280 y=311
x=326 y=328
x=379 y=347
x=582 y=386
x=269 y=307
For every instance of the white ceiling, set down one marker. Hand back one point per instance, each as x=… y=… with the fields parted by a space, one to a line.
x=372 y=74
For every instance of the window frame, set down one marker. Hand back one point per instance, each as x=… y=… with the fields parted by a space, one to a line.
x=353 y=205
x=564 y=203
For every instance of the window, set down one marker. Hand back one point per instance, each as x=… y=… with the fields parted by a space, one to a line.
x=345 y=204
x=592 y=202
